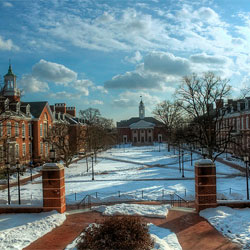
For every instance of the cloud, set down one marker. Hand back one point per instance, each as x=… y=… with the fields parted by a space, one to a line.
x=30 y=84
x=53 y=72
x=82 y=86
x=7 y=4
x=137 y=57
x=207 y=59
x=131 y=99
x=64 y=95
x=134 y=80
x=7 y=44
x=96 y=102
x=166 y=63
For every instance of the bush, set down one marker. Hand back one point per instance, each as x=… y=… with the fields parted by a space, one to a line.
x=117 y=233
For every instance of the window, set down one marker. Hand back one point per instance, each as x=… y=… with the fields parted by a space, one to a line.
x=17 y=150
x=16 y=129
x=41 y=130
x=24 y=149
x=41 y=148
x=23 y=130
x=242 y=122
x=30 y=148
x=46 y=149
x=238 y=124
x=30 y=130
x=8 y=128
x=247 y=122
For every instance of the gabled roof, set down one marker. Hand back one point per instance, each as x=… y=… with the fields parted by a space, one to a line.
x=127 y=123
x=142 y=124
x=36 y=108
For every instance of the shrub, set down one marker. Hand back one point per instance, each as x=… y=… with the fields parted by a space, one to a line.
x=117 y=233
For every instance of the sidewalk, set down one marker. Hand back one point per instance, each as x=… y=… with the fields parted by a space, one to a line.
x=193 y=232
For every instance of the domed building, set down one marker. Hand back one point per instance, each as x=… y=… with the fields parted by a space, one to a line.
x=141 y=130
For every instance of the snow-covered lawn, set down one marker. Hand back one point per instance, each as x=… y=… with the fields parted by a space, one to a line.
x=233 y=223
x=133 y=173
x=19 y=230
x=164 y=238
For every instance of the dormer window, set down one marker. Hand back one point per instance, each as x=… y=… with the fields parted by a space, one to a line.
x=28 y=109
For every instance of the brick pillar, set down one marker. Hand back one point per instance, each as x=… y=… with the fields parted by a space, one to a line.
x=205 y=184
x=53 y=187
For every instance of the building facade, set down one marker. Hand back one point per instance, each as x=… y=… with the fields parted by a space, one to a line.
x=141 y=130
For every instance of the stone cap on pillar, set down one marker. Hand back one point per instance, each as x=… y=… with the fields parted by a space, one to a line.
x=51 y=166
x=204 y=162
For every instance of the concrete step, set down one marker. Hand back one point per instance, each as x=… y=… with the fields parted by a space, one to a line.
x=184 y=209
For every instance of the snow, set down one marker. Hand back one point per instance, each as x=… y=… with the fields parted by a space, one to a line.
x=233 y=223
x=19 y=230
x=164 y=238
x=159 y=211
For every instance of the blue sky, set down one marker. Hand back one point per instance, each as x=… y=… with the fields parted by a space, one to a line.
x=105 y=54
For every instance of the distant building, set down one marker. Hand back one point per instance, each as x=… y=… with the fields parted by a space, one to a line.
x=141 y=130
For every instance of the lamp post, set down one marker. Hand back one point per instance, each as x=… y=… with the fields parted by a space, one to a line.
x=246 y=160
x=191 y=155
x=52 y=155
x=182 y=156
x=93 y=174
x=203 y=152
x=18 y=181
x=179 y=159
x=8 y=179
x=31 y=167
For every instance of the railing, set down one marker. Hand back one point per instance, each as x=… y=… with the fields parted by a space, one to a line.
x=179 y=200
x=86 y=201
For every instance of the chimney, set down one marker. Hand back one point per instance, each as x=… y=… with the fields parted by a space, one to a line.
x=60 y=107
x=71 y=111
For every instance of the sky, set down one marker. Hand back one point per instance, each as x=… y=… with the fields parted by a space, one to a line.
x=106 y=54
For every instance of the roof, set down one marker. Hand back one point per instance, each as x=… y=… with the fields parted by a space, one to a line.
x=127 y=123
x=142 y=124
x=36 y=108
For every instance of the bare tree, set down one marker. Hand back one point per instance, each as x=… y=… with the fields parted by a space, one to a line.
x=99 y=131
x=59 y=136
x=171 y=114
x=198 y=94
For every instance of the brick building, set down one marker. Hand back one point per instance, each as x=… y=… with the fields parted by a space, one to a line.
x=235 y=120
x=141 y=130
x=24 y=126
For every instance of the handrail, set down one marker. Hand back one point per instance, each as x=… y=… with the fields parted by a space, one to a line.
x=84 y=200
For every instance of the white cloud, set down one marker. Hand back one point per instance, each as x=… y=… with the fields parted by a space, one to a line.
x=83 y=86
x=166 y=63
x=96 y=102
x=7 y=44
x=30 y=84
x=64 y=95
x=53 y=72
x=208 y=59
x=137 y=57
x=132 y=99
x=134 y=80
x=7 y=4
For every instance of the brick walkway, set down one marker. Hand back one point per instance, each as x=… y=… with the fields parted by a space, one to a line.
x=193 y=232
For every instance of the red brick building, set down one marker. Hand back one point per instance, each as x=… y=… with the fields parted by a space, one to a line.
x=141 y=130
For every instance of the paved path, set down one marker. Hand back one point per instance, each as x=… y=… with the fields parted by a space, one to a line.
x=193 y=232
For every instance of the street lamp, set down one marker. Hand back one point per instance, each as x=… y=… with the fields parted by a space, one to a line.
x=246 y=160
x=8 y=179
x=52 y=155
x=191 y=155
x=179 y=159
x=182 y=156
x=31 y=167
x=18 y=181
x=93 y=174
x=204 y=152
